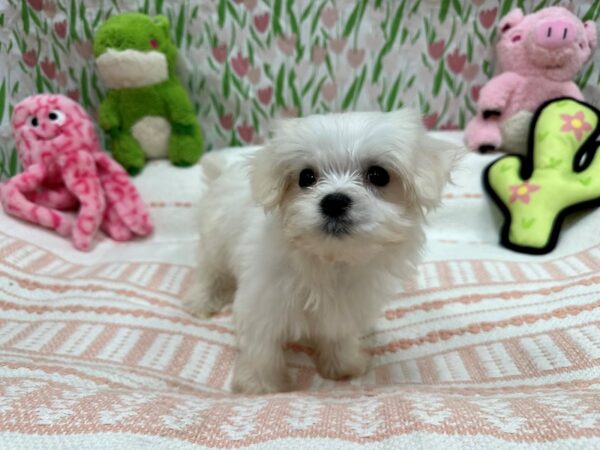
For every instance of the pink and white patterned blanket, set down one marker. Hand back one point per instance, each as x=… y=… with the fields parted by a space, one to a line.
x=486 y=349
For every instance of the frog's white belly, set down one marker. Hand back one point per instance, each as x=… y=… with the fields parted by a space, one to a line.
x=152 y=133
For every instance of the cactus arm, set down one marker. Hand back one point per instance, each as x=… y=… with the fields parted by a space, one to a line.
x=560 y=174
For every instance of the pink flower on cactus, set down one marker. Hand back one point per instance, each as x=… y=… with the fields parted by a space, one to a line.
x=240 y=65
x=436 y=49
x=487 y=17
x=522 y=192
x=576 y=124
x=456 y=61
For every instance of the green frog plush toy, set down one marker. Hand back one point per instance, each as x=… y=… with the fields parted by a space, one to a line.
x=146 y=112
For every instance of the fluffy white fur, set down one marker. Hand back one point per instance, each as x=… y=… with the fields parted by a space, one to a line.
x=264 y=245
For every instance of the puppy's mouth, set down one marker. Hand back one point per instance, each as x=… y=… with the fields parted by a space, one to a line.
x=338 y=227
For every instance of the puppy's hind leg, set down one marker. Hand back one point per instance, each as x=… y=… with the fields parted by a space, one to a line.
x=211 y=291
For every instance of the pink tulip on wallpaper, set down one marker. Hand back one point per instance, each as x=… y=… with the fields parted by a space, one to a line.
x=316 y=56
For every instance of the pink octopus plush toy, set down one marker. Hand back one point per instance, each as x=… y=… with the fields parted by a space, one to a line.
x=539 y=54
x=65 y=169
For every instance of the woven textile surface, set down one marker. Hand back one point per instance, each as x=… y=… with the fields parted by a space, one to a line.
x=487 y=348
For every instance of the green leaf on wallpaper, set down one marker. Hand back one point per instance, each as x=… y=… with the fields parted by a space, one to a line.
x=444 y=7
x=307 y=85
x=487 y=69
x=25 y=16
x=233 y=11
x=410 y=83
x=250 y=53
x=13 y=165
x=180 y=25
x=583 y=79
x=289 y=7
x=316 y=17
x=275 y=23
x=73 y=21
x=86 y=26
x=2 y=20
x=39 y=83
x=2 y=99
x=158 y=6
x=279 y=99
x=306 y=12
x=295 y=96
x=38 y=23
x=457 y=7
x=506 y=7
x=593 y=13
x=257 y=107
x=469 y=49
x=56 y=57
x=15 y=89
x=226 y=85
x=221 y=12
x=84 y=88
x=395 y=25
x=315 y=96
x=439 y=76
x=354 y=90
x=352 y=19
x=391 y=98
x=146 y=8
x=361 y=82
x=449 y=80
x=97 y=19
x=480 y=36
x=415 y=7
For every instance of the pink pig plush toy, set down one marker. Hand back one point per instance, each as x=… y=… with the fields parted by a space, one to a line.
x=65 y=169
x=539 y=54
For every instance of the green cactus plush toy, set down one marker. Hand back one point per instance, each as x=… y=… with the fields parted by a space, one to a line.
x=560 y=174
x=147 y=112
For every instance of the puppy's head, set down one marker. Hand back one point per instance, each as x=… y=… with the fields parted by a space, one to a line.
x=349 y=186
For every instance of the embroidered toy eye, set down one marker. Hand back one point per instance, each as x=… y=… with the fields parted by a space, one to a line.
x=33 y=121
x=57 y=117
x=307 y=178
x=378 y=176
x=153 y=43
x=516 y=38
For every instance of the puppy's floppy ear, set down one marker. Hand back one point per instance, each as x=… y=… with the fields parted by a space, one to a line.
x=434 y=161
x=268 y=177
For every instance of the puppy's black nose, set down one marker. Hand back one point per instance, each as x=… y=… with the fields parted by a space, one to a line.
x=335 y=205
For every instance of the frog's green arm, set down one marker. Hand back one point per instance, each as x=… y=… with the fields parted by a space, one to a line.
x=179 y=107
x=108 y=114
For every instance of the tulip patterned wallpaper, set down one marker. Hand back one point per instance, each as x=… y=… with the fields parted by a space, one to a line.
x=246 y=61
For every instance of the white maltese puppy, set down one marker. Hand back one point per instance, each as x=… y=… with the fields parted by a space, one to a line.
x=310 y=235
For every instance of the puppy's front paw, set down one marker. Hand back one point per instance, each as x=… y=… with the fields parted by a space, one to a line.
x=342 y=363
x=251 y=380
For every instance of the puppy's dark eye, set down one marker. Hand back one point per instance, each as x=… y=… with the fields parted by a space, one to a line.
x=34 y=122
x=307 y=178
x=378 y=176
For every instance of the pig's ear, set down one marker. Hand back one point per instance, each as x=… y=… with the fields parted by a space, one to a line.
x=510 y=20
x=590 y=34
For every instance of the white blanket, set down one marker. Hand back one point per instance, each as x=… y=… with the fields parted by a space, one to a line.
x=487 y=348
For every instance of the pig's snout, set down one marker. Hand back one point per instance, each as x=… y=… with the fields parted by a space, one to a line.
x=555 y=33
